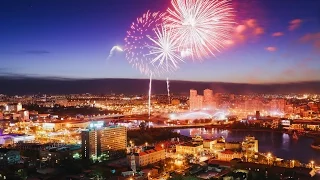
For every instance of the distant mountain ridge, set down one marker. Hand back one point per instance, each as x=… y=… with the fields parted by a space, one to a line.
x=29 y=85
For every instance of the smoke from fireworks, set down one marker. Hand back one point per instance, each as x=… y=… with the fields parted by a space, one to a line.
x=114 y=48
x=201 y=25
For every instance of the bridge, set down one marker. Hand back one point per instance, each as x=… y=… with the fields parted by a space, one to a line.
x=218 y=115
x=109 y=116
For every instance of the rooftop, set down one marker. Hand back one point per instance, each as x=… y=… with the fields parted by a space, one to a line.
x=149 y=151
x=191 y=144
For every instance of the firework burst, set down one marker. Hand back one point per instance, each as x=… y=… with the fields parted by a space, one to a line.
x=164 y=50
x=138 y=40
x=201 y=25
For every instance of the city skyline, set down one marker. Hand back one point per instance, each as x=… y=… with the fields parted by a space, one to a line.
x=274 y=42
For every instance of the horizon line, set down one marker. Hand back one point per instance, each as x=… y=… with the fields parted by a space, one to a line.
x=155 y=79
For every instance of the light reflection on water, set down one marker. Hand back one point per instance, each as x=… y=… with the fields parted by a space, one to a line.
x=279 y=144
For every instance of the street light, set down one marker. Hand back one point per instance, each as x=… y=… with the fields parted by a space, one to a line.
x=146 y=144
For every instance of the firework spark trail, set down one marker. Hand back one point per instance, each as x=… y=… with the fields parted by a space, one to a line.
x=202 y=26
x=149 y=100
x=168 y=89
x=114 y=48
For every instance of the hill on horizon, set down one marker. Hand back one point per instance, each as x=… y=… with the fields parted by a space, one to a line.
x=26 y=86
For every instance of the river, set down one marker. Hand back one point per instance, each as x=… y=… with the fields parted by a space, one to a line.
x=279 y=144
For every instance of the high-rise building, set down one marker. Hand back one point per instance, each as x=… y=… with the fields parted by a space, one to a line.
x=193 y=100
x=208 y=98
x=105 y=140
x=198 y=102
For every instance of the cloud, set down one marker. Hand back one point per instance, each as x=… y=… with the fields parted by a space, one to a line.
x=310 y=37
x=313 y=38
x=240 y=28
x=36 y=52
x=244 y=31
x=294 y=24
x=271 y=48
x=252 y=23
x=258 y=31
x=277 y=34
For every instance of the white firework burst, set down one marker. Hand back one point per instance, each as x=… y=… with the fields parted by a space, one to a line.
x=165 y=50
x=201 y=25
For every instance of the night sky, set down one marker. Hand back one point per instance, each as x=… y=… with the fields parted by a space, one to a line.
x=275 y=41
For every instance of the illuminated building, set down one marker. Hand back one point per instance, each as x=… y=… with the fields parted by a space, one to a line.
x=103 y=140
x=58 y=125
x=197 y=102
x=233 y=145
x=189 y=148
x=24 y=115
x=9 y=157
x=209 y=144
x=228 y=155
x=148 y=156
x=10 y=139
x=277 y=105
x=193 y=99
x=1 y=115
x=13 y=107
x=250 y=144
x=208 y=99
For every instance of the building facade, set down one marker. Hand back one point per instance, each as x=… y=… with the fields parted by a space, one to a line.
x=208 y=98
x=105 y=140
x=198 y=102
x=149 y=156
x=189 y=148
x=228 y=155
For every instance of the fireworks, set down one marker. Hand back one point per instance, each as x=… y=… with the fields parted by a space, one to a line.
x=201 y=25
x=164 y=50
x=158 y=42
x=138 y=40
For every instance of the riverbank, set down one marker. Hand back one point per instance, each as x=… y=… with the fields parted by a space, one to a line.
x=227 y=127
x=277 y=143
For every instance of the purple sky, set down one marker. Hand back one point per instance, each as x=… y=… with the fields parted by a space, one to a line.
x=274 y=41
